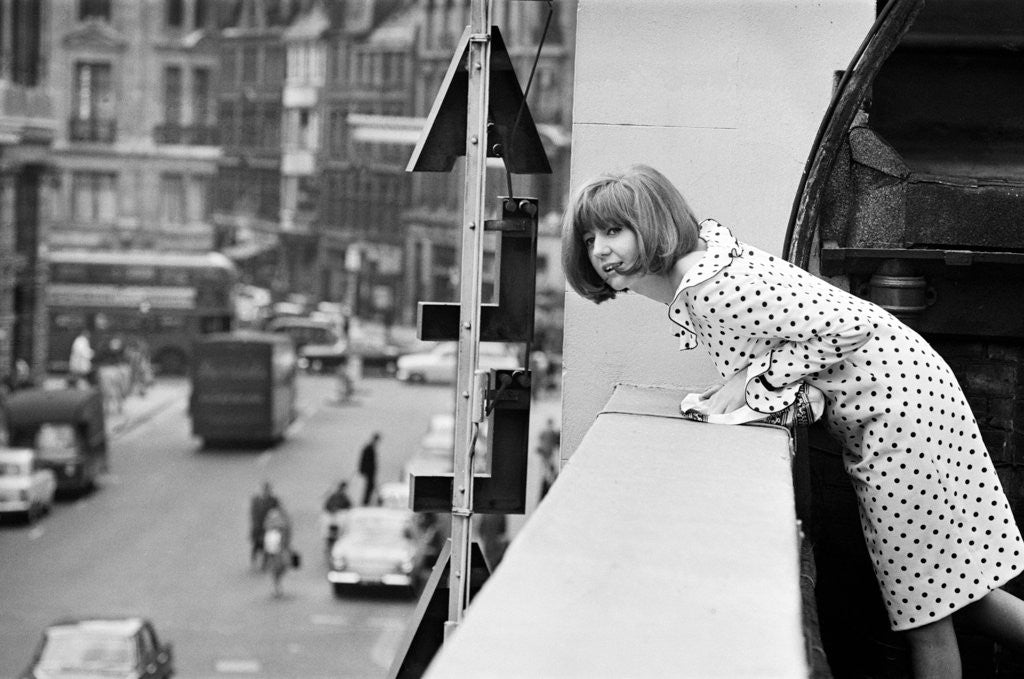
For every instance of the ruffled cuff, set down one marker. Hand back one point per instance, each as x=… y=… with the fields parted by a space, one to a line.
x=763 y=396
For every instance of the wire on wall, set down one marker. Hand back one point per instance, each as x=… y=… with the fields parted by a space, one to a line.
x=522 y=104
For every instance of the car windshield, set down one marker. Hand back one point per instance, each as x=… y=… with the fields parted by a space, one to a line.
x=70 y=649
x=56 y=442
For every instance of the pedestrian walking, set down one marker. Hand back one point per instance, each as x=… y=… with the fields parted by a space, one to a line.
x=140 y=366
x=337 y=501
x=548 y=443
x=937 y=525
x=259 y=506
x=80 y=361
x=113 y=371
x=368 y=467
x=277 y=545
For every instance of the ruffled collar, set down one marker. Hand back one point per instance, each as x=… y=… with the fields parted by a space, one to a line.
x=722 y=248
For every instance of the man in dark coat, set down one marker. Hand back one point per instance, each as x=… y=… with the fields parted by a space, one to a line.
x=368 y=467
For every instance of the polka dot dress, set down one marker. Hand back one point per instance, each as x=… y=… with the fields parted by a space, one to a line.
x=936 y=522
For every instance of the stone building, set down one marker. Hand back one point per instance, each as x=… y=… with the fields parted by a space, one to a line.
x=247 y=208
x=27 y=126
x=337 y=99
x=133 y=85
x=432 y=241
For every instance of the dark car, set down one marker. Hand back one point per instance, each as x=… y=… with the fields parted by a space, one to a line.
x=67 y=429
x=318 y=343
x=91 y=648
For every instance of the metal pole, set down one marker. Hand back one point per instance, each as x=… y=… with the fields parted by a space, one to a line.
x=478 y=64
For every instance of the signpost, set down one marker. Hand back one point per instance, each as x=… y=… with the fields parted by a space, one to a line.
x=479 y=67
x=479 y=112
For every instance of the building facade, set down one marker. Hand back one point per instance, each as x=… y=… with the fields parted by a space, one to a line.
x=432 y=217
x=337 y=96
x=27 y=126
x=135 y=152
x=247 y=210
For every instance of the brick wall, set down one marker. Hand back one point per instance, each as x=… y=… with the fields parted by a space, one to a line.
x=992 y=376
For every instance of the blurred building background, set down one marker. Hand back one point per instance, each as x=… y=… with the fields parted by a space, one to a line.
x=274 y=131
x=28 y=126
x=321 y=104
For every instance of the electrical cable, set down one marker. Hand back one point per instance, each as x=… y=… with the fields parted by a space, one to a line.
x=522 y=104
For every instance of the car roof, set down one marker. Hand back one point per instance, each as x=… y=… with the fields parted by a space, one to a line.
x=380 y=512
x=17 y=454
x=35 y=406
x=442 y=421
x=490 y=348
x=119 y=626
x=243 y=336
x=297 y=322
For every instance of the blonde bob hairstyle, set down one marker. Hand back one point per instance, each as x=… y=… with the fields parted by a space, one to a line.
x=638 y=198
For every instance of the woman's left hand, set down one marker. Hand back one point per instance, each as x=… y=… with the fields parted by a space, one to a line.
x=727 y=397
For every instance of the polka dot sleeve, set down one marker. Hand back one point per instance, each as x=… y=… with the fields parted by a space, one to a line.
x=795 y=326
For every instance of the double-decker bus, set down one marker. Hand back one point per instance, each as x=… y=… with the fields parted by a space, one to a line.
x=165 y=299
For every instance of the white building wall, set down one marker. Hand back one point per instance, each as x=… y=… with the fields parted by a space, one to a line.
x=725 y=98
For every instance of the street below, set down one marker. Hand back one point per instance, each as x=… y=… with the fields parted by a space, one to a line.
x=166 y=537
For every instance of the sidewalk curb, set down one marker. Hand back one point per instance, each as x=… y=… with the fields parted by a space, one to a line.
x=119 y=427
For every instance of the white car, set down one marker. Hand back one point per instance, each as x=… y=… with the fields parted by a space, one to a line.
x=436 y=450
x=26 y=487
x=380 y=546
x=439 y=363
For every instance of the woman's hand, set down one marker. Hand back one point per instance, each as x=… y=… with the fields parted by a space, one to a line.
x=727 y=397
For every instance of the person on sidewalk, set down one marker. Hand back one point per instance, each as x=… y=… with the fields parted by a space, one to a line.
x=548 y=443
x=368 y=467
x=80 y=361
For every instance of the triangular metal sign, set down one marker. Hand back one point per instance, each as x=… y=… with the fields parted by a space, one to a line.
x=444 y=136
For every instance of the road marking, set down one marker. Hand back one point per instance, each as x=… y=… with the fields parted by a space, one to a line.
x=35 y=533
x=237 y=666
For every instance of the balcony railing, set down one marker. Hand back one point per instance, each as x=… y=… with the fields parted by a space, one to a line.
x=93 y=129
x=189 y=135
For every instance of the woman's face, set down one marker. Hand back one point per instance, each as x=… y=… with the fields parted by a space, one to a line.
x=612 y=249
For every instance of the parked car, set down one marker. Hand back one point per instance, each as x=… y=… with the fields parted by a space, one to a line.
x=435 y=453
x=318 y=343
x=100 y=648
x=66 y=428
x=26 y=487
x=382 y=546
x=394 y=494
x=439 y=363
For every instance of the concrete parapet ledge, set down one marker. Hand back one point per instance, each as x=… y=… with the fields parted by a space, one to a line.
x=667 y=548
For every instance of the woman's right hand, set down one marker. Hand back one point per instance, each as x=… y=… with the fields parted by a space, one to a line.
x=728 y=396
